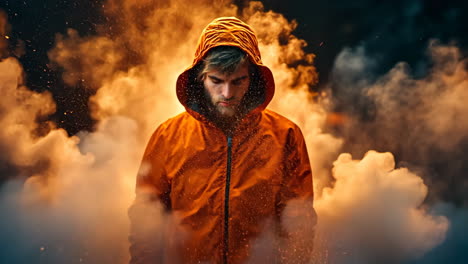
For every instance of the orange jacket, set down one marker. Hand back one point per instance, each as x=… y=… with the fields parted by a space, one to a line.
x=222 y=190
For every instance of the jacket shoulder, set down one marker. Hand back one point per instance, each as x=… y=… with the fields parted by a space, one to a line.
x=282 y=127
x=279 y=121
x=174 y=122
x=170 y=127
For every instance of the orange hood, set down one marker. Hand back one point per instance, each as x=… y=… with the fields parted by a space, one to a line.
x=226 y=31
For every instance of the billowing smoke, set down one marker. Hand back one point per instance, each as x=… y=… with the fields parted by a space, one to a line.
x=374 y=206
x=425 y=113
x=73 y=204
x=421 y=119
x=64 y=190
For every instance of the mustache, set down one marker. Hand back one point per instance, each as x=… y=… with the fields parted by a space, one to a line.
x=228 y=100
x=222 y=98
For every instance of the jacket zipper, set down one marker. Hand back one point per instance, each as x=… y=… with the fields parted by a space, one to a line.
x=226 y=200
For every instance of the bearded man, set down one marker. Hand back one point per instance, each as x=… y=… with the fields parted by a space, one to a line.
x=235 y=175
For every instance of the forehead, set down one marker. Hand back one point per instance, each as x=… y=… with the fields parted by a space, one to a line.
x=241 y=71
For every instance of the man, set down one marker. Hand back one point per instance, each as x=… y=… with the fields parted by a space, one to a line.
x=227 y=169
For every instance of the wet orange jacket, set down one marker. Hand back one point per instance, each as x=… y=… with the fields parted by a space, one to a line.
x=222 y=192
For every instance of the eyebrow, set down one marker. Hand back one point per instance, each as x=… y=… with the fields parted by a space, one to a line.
x=235 y=80
x=215 y=78
x=240 y=78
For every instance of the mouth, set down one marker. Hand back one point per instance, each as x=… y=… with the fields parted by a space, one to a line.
x=225 y=103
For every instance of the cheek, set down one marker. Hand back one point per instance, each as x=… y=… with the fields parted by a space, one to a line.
x=243 y=90
x=210 y=88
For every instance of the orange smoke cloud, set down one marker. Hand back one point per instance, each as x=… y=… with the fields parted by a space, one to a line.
x=18 y=116
x=374 y=205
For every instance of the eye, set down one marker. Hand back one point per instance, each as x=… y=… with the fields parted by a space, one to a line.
x=215 y=80
x=238 y=82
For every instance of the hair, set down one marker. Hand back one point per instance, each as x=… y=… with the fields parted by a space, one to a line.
x=226 y=59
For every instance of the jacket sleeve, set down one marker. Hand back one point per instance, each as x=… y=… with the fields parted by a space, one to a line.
x=147 y=212
x=295 y=209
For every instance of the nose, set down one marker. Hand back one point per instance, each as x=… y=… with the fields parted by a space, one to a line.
x=228 y=91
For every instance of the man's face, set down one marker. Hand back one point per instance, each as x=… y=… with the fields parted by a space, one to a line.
x=225 y=91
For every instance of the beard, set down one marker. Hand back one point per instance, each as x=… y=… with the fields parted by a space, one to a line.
x=220 y=111
x=226 y=111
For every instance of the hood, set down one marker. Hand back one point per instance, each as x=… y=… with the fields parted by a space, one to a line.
x=226 y=31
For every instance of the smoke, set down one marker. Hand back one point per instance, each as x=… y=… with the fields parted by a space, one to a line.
x=374 y=206
x=66 y=190
x=435 y=103
x=452 y=250
x=430 y=108
x=18 y=120
x=421 y=119
x=73 y=204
